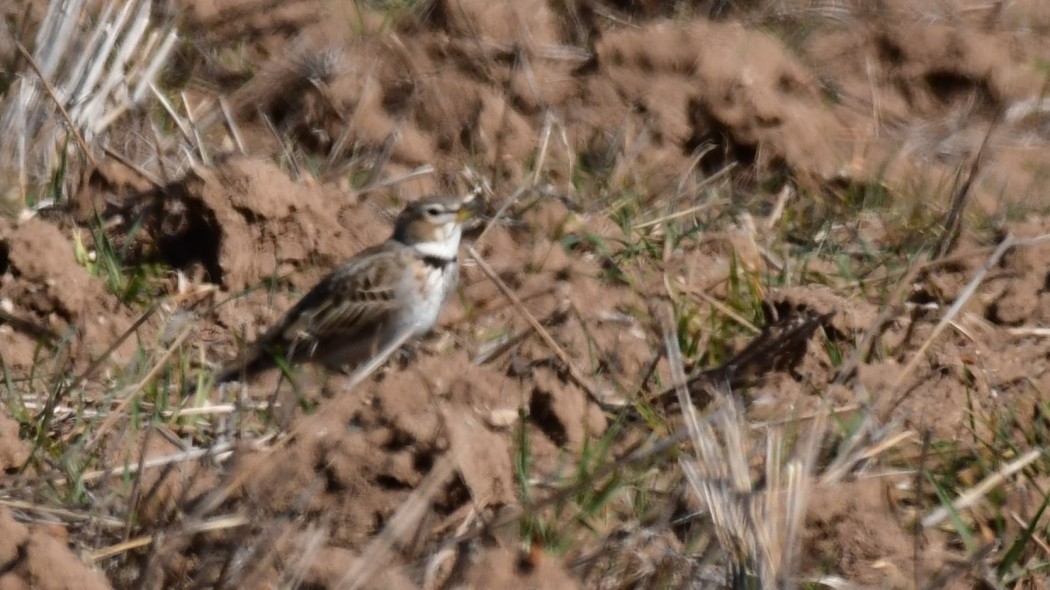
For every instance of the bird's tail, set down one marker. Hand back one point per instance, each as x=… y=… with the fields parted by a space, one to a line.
x=247 y=365
x=243 y=367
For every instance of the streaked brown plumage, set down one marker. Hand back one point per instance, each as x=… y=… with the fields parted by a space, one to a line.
x=384 y=293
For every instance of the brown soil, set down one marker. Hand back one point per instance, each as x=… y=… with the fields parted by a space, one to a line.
x=37 y=557
x=894 y=99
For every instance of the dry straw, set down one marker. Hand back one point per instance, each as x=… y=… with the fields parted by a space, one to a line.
x=93 y=62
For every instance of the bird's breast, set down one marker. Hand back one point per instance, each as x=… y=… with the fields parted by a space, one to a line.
x=432 y=286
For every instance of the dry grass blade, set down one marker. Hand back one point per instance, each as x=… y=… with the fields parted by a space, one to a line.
x=725 y=310
x=680 y=384
x=170 y=110
x=94 y=366
x=972 y=495
x=220 y=494
x=656 y=448
x=93 y=61
x=545 y=138
x=201 y=149
x=131 y=393
x=62 y=513
x=867 y=340
x=507 y=204
x=215 y=524
x=404 y=520
x=797 y=488
x=231 y=124
x=760 y=530
x=542 y=332
x=851 y=449
x=971 y=288
x=304 y=555
x=953 y=223
x=53 y=95
x=1021 y=522
x=716 y=479
x=424 y=170
x=677 y=214
x=217 y=451
x=889 y=443
x=132 y=166
x=289 y=156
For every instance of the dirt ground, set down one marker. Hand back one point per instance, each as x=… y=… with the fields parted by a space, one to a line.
x=830 y=99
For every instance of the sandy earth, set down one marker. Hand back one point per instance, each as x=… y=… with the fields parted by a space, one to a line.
x=835 y=98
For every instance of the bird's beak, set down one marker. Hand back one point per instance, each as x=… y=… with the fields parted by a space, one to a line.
x=467 y=210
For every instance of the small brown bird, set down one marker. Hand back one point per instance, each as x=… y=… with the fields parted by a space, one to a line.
x=385 y=294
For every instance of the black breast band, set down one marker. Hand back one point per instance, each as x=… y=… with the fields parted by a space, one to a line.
x=438 y=262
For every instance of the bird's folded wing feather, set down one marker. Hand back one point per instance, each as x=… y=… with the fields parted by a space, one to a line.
x=352 y=299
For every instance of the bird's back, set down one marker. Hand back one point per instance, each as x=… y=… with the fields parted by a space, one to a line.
x=348 y=316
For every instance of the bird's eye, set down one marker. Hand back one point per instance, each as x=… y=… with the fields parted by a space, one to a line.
x=433 y=211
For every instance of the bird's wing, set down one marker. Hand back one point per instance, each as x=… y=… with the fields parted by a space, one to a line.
x=349 y=302
x=352 y=299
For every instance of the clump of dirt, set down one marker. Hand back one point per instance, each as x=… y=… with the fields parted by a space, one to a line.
x=650 y=102
x=568 y=293
x=933 y=90
x=357 y=462
x=992 y=361
x=501 y=568
x=722 y=89
x=1019 y=294
x=718 y=87
x=51 y=294
x=244 y=221
x=851 y=530
x=13 y=450
x=33 y=557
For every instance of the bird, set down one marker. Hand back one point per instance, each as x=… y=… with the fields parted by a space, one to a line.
x=385 y=295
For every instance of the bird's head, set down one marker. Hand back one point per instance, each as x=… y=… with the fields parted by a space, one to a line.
x=433 y=225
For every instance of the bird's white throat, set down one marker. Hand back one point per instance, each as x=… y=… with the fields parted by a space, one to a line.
x=446 y=248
